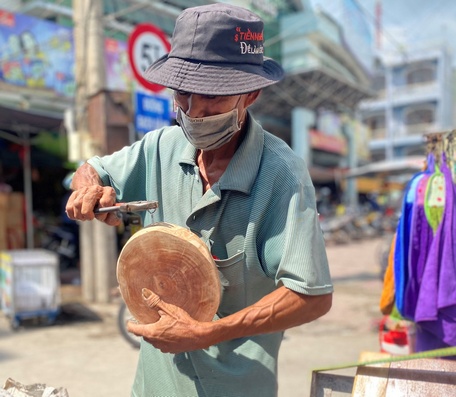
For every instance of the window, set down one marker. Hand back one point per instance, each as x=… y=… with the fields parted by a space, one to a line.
x=376 y=122
x=420 y=116
x=421 y=73
x=378 y=82
x=377 y=126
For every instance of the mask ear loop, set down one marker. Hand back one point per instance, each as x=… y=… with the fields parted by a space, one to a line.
x=241 y=121
x=176 y=109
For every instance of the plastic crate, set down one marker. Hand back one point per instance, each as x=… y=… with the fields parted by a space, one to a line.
x=29 y=284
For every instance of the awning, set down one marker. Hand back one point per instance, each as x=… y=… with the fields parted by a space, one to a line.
x=311 y=89
x=17 y=121
x=322 y=175
x=400 y=166
x=368 y=185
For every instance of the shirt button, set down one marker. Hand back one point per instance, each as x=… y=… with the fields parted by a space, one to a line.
x=194 y=217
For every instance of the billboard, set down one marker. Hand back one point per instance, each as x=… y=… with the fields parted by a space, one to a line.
x=37 y=54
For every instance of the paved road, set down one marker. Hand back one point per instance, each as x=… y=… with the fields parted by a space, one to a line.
x=85 y=353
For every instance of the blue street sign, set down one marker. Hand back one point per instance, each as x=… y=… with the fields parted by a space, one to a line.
x=152 y=112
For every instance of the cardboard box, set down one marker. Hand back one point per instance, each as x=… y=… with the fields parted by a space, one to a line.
x=12 y=225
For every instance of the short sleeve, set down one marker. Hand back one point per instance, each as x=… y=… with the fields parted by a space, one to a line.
x=301 y=262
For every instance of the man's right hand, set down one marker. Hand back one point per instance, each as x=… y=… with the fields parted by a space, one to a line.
x=82 y=202
x=88 y=194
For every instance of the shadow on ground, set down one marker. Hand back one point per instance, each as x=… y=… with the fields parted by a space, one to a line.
x=70 y=313
x=76 y=312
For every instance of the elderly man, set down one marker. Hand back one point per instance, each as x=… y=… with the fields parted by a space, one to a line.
x=239 y=188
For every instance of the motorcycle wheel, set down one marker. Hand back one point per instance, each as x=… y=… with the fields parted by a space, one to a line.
x=123 y=316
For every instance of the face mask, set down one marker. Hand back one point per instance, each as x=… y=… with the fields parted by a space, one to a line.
x=209 y=133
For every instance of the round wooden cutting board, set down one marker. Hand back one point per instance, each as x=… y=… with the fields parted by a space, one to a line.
x=176 y=265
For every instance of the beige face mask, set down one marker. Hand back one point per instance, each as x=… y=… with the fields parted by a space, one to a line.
x=209 y=133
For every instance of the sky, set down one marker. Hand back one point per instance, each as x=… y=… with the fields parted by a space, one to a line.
x=406 y=24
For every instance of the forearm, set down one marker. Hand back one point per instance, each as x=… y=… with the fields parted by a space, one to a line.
x=177 y=332
x=85 y=176
x=277 y=311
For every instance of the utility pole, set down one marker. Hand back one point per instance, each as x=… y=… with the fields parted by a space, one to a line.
x=351 y=191
x=378 y=24
x=98 y=241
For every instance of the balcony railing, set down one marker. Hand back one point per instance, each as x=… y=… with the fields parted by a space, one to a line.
x=378 y=133
x=404 y=130
x=404 y=93
x=415 y=90
x=417 y=129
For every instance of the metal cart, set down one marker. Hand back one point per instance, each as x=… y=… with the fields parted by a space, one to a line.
x=29 y=285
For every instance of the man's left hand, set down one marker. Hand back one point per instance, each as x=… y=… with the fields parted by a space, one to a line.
x=174 y=332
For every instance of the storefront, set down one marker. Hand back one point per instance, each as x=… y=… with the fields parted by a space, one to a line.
x=33 y=165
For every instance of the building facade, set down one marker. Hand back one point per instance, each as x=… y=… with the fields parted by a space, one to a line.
x=414 y=96
x=314 y=107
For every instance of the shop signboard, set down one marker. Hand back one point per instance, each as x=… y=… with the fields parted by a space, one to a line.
x=333 y=144
x=152 y=112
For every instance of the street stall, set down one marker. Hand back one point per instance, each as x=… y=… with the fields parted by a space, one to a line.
x=417 y=337
x=380 y=186
x=421 y=276
x=385 y=178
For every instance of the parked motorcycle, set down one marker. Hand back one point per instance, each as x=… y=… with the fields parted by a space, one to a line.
x=64 y=242
x=123 y=317
x=336 y=229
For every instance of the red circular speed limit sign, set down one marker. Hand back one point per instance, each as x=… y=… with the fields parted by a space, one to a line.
x=146 y=44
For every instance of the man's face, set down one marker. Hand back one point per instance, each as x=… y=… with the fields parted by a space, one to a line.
x=196 y=106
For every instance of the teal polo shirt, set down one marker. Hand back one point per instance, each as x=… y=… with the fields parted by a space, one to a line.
x=259 y=220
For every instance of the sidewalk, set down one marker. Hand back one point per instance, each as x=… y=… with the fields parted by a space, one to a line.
x=86 y=354
x=349 y=329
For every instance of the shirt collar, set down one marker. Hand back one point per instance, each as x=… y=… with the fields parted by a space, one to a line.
x=243 y=168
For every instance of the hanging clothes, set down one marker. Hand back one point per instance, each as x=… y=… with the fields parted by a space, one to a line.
x=434 y=203
x=420 y=241
x=435 y=312
x=401 y=251
x=447 y=277
x=427 y=306
x=424 y=253
x=387 y=299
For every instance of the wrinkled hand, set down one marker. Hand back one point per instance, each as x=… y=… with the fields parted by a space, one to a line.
x=82 y=202
x=175 y=331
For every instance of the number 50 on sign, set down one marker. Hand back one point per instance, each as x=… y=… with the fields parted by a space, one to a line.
x=146 y=44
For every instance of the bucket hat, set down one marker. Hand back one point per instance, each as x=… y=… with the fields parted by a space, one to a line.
x=216 y=49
